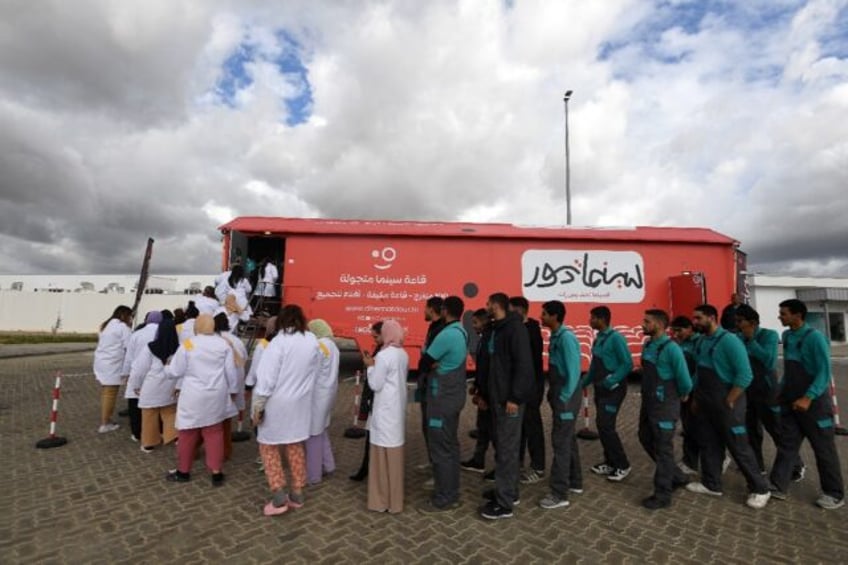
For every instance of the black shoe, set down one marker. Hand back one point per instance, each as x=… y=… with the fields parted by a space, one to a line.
x=494 y=511
x=491 y=495
x=473 y=434
x=654 y=503
x=490 y=476
x=679 y=484
x=217 y=479
x=124 y=413
x=359 y=476
x=472 y=465
x=176 y=476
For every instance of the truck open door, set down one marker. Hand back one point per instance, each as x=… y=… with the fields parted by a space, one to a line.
x=686 y=291
x=238 y=248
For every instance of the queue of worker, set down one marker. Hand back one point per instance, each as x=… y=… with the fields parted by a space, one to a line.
x=187 y=376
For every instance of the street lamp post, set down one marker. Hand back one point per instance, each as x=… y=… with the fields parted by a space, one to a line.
x=565 y=100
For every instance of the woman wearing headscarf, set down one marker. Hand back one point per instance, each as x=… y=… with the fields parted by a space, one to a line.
x=109 y=361
x=387 y=377
x=282 y=405
x=186 y=329
x=155 y=389
x=207 y=384
x=222 y=328
x=143 y=334
x=319 y=451
x=365 y=402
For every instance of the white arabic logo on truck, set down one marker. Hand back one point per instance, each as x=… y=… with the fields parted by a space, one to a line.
x=583 y=275
x=387 y=255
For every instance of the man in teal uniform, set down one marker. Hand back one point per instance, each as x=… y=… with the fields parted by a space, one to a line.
x=719 y=405
x=564 y=397
x=806 y=410
x=685 y=336
x=665 y=382
x=611 y=363
x=444 y=363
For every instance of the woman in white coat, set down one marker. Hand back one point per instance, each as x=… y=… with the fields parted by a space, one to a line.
x=155 y=389
x=387 y=373
x=138 y=341
x=109 y=362
x=268 y=276
x=222 y=328
x=282 y=403
x=207 y=383
x=319 y=451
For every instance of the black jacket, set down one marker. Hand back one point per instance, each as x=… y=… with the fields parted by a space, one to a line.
x=481 y=360
x=511 y=376
x=534 y=332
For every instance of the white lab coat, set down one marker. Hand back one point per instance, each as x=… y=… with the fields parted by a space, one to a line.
x=326 y=386
x=258 y=350
x=148 y=375
x=241 y=350
x=206 y=377
x=242 y=301
x=387 y=378
x=186 y=330
x=287 y=377
x=110 y=351
x=206 y=305
x=266 y=285
x=138 y=340
x=222 y=287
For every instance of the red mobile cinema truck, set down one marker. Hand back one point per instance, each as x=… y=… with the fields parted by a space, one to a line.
x=353 y=273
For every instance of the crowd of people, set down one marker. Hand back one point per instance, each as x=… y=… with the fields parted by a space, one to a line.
x=187 y=375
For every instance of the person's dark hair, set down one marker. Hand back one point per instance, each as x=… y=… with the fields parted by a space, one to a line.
x=435 y=303
x=602 y=313
x=658 y=315
x=519 y=302
x=166 y=342
x=209 y=292
x=377 y=327
x=117 y=314
x=795 y=306
x=454 y=306
x=222 y=323
x=707 y=310
x=179 y=316
x=191 y=311
x=236 y=275
x=481 y=314
x=556 y=309
x=291 y=319
x=681 y=322
x=748 y=314
x=167 y=315
x=500 y=299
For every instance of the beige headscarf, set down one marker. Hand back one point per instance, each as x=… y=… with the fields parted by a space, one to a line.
x=320 y=328
x=392 y=334
x=204 y=325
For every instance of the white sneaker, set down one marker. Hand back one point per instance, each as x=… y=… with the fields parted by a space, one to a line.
x=552 y=501
x=132 y=437
x=575 y=490
x=686 y=469
x=602 y=469
x=725 y=464
x=106 y=428
x=829 y=503
x=618 y=475
x=532 y=476
x=699 y=488
x=758 y=501
x=423 y=466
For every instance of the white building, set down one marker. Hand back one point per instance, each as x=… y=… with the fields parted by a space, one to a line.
x=826 y=300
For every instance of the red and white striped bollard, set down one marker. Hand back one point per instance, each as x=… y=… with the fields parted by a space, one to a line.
x=586 y=433
x=53 y=440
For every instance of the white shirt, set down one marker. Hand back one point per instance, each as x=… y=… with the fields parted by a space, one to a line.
x=206 y=377
x=268 y=280
x=109 y=354
x=138 y=340
x=258 y=350
x=206 y=305
x=326 y=386
x=186 y=329
x=148 y=376
x=238 y=348
x=387 y=378
x=287 y=377
x=222 y=287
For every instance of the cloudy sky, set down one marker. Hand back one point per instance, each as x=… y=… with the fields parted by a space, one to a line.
x=166 y=118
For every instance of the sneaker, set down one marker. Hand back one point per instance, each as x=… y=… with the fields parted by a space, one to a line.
x=429 y=484
x=699 y=488
x=423 y=466
x=175 y=476
x=575 y=490
x=217 y=479
x=494 y=511
x=686 y=469
x=654 y=503
x=473 y=466
x=490 y=476
x=618 y=475
x=296 y=500
x=490 y=494
x=271 y=510
x=799 y=473
x=602 y=469
x=778 y=494
x=552 y=501
x=532 y=476
x=725 y=464
x=429 y=507
x=146 y=449
x=829 y=503
x=106 y=428
x=133 y=438
x=758 y=501
x=359 y=476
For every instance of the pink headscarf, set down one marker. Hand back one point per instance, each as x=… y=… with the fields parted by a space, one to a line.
x=392 y=334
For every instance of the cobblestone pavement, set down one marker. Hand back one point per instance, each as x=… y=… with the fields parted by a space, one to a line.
x=100 y=500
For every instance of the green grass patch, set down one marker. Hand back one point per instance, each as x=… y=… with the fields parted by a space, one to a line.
x=18 y=338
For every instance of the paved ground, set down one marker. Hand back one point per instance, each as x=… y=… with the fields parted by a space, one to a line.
x=100 y=500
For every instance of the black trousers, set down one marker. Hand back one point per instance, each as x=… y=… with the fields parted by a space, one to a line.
x=135 y=417
x=607 y=406
x=657 y=438
x=443 y=444
x=760 y=415
x=484 y=436
x=533 y=434
x=507 y=468
x=565 y=467
x=691 y=451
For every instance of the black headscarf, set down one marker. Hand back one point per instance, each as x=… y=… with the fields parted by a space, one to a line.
x=167 y=341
